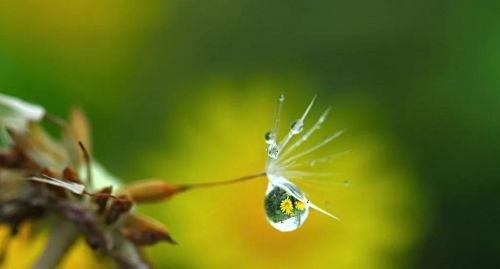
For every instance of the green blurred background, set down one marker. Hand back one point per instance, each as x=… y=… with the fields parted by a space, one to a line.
x=184 y=90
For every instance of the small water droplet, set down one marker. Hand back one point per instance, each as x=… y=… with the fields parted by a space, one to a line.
x=297 y=127
x=283 y=211
x=282 y=97
x=312 y=162
x=346 y=183
x=270 y=137
x=273 y=150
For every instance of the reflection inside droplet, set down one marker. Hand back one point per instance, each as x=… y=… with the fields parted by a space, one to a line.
x=273 y=150
x=297 y=127
x=270 y=137
x=284 y=212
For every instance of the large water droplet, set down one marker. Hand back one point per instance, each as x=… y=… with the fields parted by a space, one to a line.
x=273 y=150
x=270 y=137
x=297 y=126
x=284 y=212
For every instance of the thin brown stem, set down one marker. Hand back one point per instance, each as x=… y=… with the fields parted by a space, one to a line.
x=221 y=183
x=88 y=163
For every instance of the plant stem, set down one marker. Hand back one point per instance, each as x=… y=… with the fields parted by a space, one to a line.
x=221 y=183
x=60 y=240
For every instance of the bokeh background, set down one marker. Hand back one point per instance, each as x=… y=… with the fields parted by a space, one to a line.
x=184 y=90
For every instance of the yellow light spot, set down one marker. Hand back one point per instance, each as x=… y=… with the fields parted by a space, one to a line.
x=286 y=206
x=299 y=205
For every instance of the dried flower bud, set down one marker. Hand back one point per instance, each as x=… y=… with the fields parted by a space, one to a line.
x=71 y=175
x=151 y=190
x=144 y=231
x=15 y=158
x=49 y=171
x=119 y=206
x=101 y=199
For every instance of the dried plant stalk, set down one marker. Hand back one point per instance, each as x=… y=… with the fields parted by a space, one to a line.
x=41 y=175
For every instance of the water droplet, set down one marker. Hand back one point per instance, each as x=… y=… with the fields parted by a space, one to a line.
x=273 y=150
x=270 y=137
x=297 y=127
x=312 y=162
x=284 y=212
x=282 y=97
x=346 y=183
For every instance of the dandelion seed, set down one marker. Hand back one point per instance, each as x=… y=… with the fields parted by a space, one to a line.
x=287 y=207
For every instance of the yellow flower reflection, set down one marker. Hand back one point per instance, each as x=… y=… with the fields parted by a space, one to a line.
x=299 y=205
x=286 y=206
